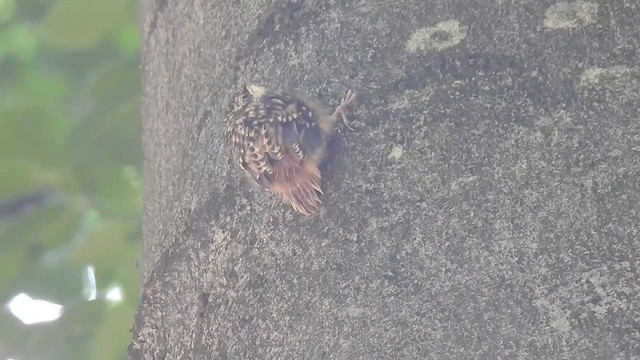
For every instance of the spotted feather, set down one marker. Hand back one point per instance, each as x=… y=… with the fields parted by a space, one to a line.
x=279 y=139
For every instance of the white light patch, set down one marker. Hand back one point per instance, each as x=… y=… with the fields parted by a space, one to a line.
x=32 y=311
x=114 y=294
x=89 y=283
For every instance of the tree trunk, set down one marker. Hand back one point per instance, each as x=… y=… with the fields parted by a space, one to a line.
x=485 y=206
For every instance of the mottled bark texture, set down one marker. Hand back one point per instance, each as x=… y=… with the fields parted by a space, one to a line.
x=485 y=206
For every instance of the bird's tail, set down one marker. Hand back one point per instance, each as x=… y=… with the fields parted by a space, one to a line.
x=297 y=183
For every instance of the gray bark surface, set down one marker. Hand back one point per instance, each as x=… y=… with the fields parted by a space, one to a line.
x=485 y=206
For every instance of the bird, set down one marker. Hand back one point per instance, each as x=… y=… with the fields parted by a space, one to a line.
x=279 y=138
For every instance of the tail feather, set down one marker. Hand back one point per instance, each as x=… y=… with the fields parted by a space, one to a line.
x=297 y=183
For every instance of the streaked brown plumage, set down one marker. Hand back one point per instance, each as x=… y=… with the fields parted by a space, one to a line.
x=280 y=139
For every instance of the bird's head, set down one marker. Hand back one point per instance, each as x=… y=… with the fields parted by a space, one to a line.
x=250 y=93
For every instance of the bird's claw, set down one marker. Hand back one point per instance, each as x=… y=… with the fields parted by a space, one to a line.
x=342 y=110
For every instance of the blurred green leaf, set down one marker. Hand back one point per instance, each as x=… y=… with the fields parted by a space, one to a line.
x=60 y=282
x=28 y=249
x=127 y=39
x=115 y=328
x=7 y=9
x=114 y=82
x=44 y=88
x=34 y=134
x=19 y=40
x=20 y=175
x=101 y=247
x=95 y=17
x=69 y=109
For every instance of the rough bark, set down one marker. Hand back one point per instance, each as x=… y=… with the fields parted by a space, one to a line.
x=486 y=206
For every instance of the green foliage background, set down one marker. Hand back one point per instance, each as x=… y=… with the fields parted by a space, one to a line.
x=70 y=178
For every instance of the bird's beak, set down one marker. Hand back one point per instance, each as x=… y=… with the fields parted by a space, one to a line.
x=255 y=91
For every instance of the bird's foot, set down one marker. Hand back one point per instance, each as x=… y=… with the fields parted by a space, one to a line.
x=342 y=111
